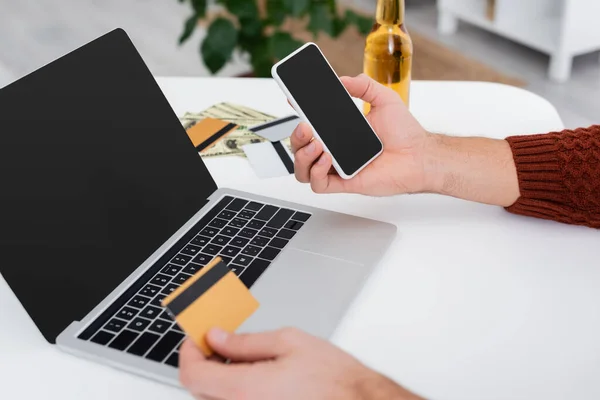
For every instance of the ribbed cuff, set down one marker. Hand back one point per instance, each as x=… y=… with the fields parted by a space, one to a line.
x=559 y=175
x=540 y=177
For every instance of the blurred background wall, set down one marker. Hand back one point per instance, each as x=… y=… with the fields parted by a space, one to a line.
x=34 y=32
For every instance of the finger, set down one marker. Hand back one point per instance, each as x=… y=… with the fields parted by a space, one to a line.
x=305 y=158
x=301 y=136
x=204 y=378
x=369 y=90
x=322 y=181
x=191 y=352
x=250 y=347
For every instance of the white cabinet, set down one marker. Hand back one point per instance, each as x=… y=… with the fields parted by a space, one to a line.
x=561 y=28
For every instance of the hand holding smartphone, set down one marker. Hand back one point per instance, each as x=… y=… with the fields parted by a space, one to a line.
x=322 y=101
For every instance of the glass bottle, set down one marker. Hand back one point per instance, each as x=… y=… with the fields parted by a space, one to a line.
x=389 y=50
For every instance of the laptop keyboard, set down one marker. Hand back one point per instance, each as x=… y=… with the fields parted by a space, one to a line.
x=247 y=235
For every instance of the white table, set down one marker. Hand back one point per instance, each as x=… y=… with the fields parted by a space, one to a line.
x=470 y=302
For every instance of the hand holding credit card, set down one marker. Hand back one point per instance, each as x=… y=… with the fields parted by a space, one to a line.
x=213 y=297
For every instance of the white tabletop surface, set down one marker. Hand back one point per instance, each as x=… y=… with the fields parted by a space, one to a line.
x=470 y=302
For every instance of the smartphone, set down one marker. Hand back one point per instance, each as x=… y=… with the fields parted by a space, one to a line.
x=321 y=100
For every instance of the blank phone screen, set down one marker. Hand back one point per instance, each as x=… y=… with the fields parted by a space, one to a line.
x=330 y=110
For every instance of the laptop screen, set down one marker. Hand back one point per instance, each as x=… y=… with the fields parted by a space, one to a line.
x=96 y=174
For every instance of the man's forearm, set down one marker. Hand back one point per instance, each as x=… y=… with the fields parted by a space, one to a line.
x=472 y=168
x=379 y=387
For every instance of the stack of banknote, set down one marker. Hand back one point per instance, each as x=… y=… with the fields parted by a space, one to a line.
x=232 y=143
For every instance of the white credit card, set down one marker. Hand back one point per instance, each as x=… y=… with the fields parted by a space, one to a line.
x=270 y=159
x=278 y=129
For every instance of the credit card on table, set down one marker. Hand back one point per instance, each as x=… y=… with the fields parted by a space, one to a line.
x=270 y=159
x=212 y=298
x=278 y=129
x=206 y=132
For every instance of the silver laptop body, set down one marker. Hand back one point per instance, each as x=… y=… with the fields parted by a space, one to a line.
x=103 y=173
x=309 y=285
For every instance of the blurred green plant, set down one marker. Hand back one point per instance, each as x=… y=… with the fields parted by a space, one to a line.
x=260 y=34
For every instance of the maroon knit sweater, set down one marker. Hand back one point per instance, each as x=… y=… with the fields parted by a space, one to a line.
x=559 y=176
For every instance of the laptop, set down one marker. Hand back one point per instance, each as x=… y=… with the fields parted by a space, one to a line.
x=107 y=207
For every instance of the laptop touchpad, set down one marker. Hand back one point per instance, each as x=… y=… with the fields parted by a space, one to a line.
x=353 y=239
x=305 y=290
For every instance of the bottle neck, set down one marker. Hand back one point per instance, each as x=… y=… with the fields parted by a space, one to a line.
x=390 y=12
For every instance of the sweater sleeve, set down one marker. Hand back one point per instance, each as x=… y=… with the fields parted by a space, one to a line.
x=559 y=176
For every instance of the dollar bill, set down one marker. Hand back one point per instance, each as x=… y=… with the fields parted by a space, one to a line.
x=238 y=111
x=231 y=144
x=190 y=120
x=247 y=112
x=242 y=121
x=232 y=112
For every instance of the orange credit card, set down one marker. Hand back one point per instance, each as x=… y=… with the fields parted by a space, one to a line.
x=213 y=298
x=206 y=132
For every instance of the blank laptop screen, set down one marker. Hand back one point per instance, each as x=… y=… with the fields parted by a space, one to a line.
x=96 y=174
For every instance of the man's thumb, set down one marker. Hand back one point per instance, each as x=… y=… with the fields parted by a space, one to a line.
x=369 y=90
